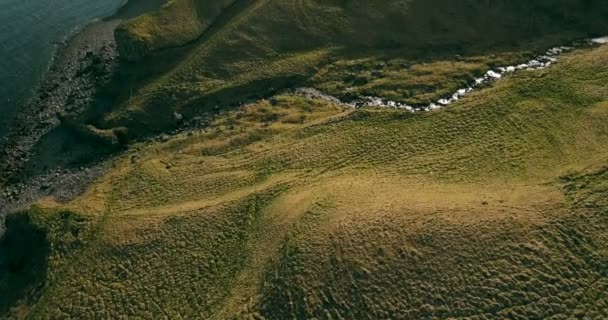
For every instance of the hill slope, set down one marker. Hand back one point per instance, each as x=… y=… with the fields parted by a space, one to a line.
x=177 y=23
x=235 y=50
x=297 y=208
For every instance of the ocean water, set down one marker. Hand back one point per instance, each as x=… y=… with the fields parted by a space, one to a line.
x=29 y=30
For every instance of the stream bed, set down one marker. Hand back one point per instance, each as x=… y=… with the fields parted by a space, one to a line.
x=540 y=62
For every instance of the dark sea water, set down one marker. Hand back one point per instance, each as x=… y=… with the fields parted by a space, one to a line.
x=28 y=31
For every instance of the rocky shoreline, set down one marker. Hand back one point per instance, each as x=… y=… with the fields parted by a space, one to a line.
x=82 y=65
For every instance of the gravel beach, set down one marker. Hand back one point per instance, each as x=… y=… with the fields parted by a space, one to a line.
x=33 y=163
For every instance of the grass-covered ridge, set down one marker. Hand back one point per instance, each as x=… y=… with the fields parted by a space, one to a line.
x=296 y=208
x=176 y=23
x=253 y=48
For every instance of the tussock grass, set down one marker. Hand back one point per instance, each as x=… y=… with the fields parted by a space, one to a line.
x=372 y=259
x=405 y=80
x=294 y=208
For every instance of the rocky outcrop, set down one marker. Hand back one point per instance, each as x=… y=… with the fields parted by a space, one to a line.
x=130 y=47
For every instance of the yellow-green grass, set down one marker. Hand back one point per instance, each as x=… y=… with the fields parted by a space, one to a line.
x=175 y=24
x=405 y=80
x=447 y=256
x=295 y=208
x=253 y=48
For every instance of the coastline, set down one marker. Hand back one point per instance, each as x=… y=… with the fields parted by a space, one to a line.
x=31 y=36
x=79 y=67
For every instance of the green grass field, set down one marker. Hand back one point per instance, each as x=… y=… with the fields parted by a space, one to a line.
x=232 y=51
x=296 y=208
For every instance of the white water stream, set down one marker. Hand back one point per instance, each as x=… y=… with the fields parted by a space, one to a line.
x=541 y=62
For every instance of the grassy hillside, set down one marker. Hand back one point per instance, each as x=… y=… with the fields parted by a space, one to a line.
x=252 y=48
x=297 y=208
x=410 y=81
x=176 y=23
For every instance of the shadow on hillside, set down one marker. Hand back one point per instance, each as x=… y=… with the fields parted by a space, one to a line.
x=24 y=250
x=68 y=147
x=65 y=148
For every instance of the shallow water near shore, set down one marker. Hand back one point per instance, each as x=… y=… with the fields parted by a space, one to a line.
x=29 y=33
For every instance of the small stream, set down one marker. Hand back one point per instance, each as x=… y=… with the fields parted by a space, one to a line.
x=541 y=62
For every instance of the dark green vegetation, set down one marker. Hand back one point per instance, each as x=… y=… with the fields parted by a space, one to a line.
x=23 y=253
x=297 y=208
x=35 y=242
x=201 y=54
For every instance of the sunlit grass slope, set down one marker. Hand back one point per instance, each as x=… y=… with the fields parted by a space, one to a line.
x=406 y=80
x=294 y=208
x=176 y=23
x=251 y=48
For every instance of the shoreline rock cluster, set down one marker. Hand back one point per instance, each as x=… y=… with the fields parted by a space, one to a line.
x=68 y=88
x=83 y=63
x=76 y=72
